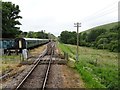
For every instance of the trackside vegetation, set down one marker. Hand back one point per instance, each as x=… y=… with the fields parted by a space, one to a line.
x=98 y=68
x=101 y=37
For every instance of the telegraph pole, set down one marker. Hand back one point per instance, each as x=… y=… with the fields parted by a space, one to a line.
x=77 y=25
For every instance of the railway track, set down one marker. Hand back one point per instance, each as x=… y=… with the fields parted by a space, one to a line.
x=38 y=75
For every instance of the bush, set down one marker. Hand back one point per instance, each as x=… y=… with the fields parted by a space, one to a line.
x=100 y=46
x=82 y=43
x=113 y=46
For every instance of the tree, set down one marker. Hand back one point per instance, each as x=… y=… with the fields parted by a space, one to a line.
x=68 y=37
x=40 y=34
x=103 y=42
x=113 y=46
x=83 y=38
x=64 y=36
x=10 y=16
x=24 y=34
x=72 y=38
x=94 y=34
x=30 y=34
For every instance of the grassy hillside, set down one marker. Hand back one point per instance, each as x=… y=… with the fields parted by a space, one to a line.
x=98 y=68
x=102 y=37
x=105 y=26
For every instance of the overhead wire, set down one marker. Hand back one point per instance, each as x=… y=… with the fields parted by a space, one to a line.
x=101 y=16
x=107 y=10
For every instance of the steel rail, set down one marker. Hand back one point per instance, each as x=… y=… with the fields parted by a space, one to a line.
x=47 y=71
x=27 y=75
x=36 y=63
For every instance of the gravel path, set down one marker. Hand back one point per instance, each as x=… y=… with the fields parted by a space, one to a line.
x=55 y=78
x=62 y=76
x=71 y=78
x=35 y=80
x=14 y=81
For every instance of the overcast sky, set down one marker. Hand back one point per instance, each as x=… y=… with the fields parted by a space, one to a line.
x=55 y=16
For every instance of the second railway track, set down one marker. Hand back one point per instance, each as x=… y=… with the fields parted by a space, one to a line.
x=38 y=76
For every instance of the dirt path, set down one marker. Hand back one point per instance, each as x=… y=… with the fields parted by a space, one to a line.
x=61 y=76
x=71 y=78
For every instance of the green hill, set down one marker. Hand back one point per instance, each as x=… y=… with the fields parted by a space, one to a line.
x=105 y=26
x=101 y=37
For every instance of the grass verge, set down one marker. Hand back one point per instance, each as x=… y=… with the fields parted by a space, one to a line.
x=98 y=68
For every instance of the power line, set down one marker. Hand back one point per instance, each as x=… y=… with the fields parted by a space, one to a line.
x=102 y=11
x=99 y=17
